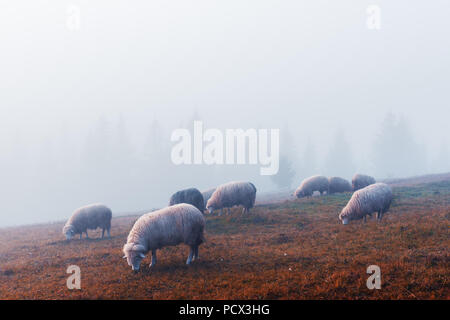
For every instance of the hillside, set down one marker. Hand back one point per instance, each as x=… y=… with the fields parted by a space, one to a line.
x=290 y=249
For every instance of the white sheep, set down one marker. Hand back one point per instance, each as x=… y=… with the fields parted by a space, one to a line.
x=373 y=198
x=232 y=194
x=311 y=184
x=89 y=217
x=170 y=226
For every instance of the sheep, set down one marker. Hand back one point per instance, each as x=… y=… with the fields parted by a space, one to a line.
x=360 y=181
x=311 y=184
x=190 y=196
x=170 y=226
x=231 y=194
x=374 y=198
x=337 y=184
x=88 y=217
x=207 y=194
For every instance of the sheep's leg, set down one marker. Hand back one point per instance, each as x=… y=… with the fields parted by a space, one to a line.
x=153 y=258
x=109 y=233
x=379 y=215
x=103 y=233
x=365 y=219
x=81 y=235
x=191 y=255
x=87 y=236
x=196 y=253
x=220 y=212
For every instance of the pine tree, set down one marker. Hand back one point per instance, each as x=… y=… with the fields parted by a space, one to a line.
x=286 y=173
x=308 y=160
x=395 y=151
x=339 y=161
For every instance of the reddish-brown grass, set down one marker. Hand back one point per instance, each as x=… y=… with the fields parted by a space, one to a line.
x=290 y=250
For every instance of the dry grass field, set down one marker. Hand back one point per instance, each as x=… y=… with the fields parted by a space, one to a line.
x=285 y=250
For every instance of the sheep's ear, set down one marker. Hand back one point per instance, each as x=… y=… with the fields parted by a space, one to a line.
x=124 y=257
x=142 y=255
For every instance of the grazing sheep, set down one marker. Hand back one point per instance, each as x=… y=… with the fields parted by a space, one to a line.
x=170 y=226
x=232 y=194
x=89 y=217
x=311 y=184
x=337 y=184
x=207 y=194
x=190 y=196
x=374 y=198
x=360 y=181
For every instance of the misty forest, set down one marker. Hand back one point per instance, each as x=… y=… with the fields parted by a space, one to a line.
x=103 y=163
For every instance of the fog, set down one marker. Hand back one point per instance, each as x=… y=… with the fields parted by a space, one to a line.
x=87 y=110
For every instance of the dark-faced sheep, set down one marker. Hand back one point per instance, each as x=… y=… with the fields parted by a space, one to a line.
x=360 y=181
x=337 y=185
x=170 y=226
x=190 y=196
x=374 y=198
x=311 y=184
x=87 y=218
x=207 y=194
x=232 y=194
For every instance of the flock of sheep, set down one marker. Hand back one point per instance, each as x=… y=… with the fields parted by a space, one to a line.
x=183 y=220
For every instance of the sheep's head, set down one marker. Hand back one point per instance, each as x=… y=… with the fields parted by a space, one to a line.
x=343 y=217
x=134 y=253
x=69 y=231
x=344 y=220
x=299 y=193
x=210 y=206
